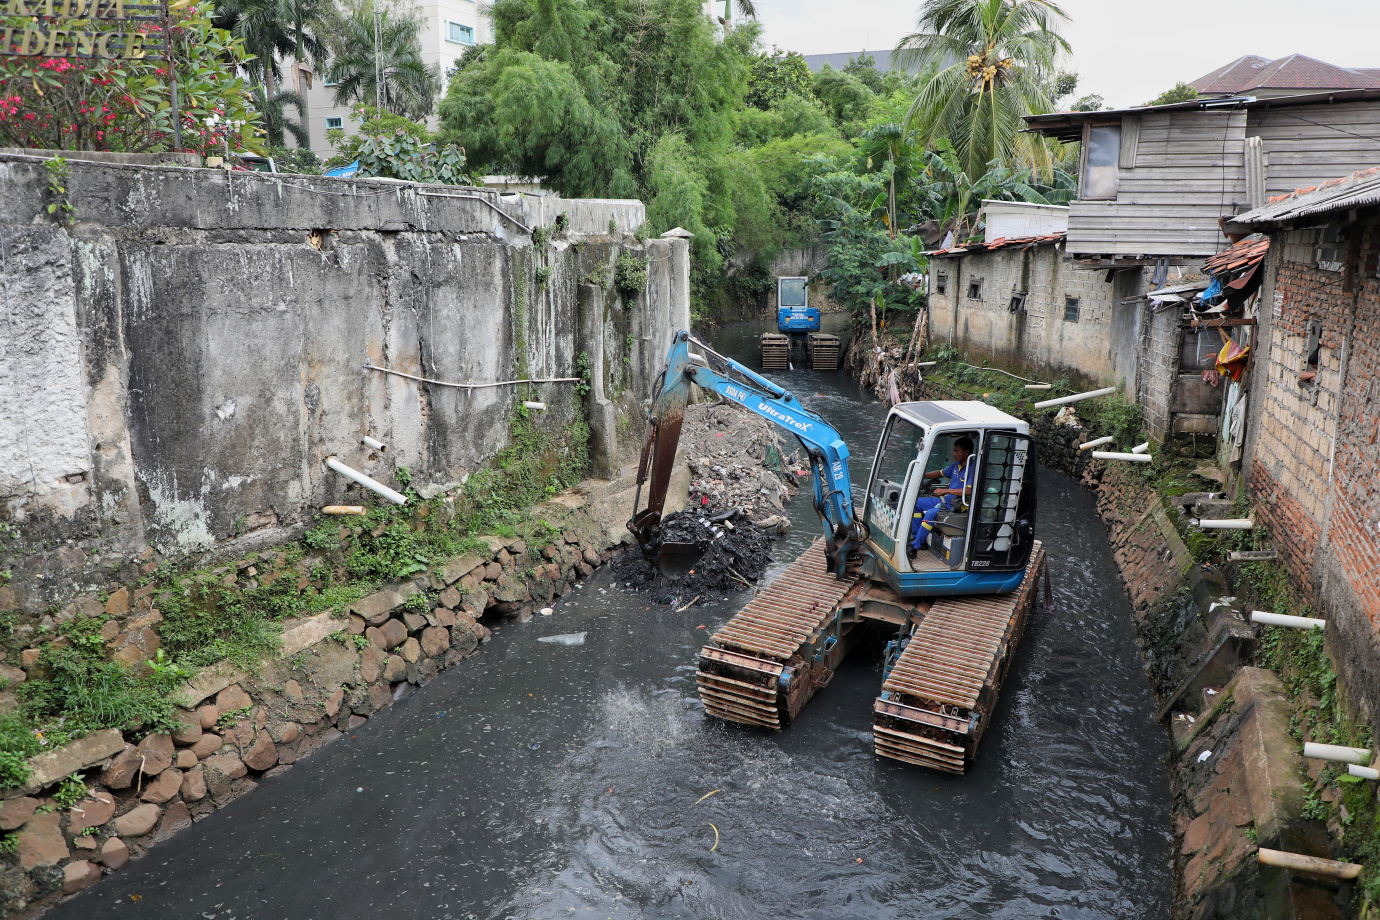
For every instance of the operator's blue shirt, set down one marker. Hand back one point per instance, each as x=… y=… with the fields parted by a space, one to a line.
x=960 y=476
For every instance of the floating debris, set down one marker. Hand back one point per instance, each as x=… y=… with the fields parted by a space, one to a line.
x=565 y=639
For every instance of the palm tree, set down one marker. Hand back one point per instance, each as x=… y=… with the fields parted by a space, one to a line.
x=745 y=7
x=993 y=59
x=408 y=87
x=274 y=30
x=276 y=123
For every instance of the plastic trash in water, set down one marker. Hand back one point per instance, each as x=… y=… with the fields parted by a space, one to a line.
x=565 y=639
x=1204 y=756
x=547 y=611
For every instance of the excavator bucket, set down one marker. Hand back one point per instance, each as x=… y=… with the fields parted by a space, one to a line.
x=676 y=559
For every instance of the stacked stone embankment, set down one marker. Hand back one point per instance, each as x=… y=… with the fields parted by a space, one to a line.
x=335 y=670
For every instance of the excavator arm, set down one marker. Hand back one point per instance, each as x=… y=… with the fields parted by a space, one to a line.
x=833 y=496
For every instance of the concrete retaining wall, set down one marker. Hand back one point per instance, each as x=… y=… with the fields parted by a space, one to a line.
x=180 y=360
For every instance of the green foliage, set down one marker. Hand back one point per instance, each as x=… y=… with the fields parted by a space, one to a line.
x=630 y=274
x=394 y=552
x=59 y=174
x=17 y=745
x=534 y=466
x=70 y=791
x=166 y=670
x=991 y=59
x=583 y=370
x=9 y=844
x=846 y=98
x=775 y=76
x=392 y=147
x=228 y=718
x=206 y=621
x=86 y=693
x=1181 y=92
x=297 y=160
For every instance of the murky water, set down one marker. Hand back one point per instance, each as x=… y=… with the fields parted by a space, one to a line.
x=547 y=781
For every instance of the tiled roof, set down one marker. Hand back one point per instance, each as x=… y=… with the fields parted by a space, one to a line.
x=1296 y=71
x=1360 y=188
x=1001 y=242
x=1241 y=254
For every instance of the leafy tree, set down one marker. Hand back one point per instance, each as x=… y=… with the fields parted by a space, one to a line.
x=615 y=98
x=790 y=116
x=92 y=104
x=951 y=197
x=409 y=86
x=846 y=97
x=994 y=56
x=1090 y=103
x=861 y=253
x=773 y=77
x=297 y=160
x=864 y=67
x=395 y=147
x=1182 y=92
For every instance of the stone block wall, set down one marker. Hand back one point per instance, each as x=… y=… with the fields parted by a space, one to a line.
x=180 y=359
x=1157 y=368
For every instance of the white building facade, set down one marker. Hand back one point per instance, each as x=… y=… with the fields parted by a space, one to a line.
x=449 y=27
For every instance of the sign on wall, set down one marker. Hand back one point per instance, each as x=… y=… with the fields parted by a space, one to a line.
x=106 y=29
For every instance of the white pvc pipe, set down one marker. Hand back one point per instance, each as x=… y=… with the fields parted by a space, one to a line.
x=538 y=406
x=1284 y=619
x=374 y=443
x=1039 y=386
x=372 y=484
x=1336 y=752
x=1076 y=397
x=1134 y=458
x=1142 y=448
x=1360 y=772
x=927 y=364
x=1228 y=524
x=1096 y=442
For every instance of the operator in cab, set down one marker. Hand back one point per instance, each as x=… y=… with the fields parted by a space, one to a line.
x=960 y=473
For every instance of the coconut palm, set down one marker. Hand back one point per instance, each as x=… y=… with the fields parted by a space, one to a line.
x=745 y=7
x=408 y=86
x=277 y=125
x=994 y=58
x=274 y=30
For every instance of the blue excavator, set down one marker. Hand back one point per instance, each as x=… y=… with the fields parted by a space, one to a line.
x=957 y=607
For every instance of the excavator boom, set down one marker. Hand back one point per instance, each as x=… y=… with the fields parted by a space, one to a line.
x=691 y=361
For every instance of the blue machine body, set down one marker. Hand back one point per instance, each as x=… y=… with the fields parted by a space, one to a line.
x=691 y=361
x=793 y=310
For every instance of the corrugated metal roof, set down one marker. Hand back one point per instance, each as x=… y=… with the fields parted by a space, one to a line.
x=1048 y=239
x=1360 y=188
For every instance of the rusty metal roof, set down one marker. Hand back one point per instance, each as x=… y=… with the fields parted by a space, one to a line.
x=1240 y=255
x=1358 y=189
x=1003 y=242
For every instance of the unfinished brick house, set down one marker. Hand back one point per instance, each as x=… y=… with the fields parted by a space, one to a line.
x=1313 y=447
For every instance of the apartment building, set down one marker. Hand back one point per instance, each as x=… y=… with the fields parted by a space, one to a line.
x=449 y=27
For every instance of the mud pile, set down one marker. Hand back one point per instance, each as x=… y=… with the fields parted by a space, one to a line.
x=735 y=554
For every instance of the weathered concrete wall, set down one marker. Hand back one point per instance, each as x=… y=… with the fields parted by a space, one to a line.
x=1046 y=334
x=180 y=360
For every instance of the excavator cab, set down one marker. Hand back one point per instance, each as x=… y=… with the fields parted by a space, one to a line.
x=977 y=544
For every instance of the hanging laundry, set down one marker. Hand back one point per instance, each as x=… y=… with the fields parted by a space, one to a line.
x=1231 y=360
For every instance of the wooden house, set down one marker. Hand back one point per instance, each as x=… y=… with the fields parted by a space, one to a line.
x=1156 y=181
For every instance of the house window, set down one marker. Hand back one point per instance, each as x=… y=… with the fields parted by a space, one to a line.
x=1017 y=304
x=1070 y=309
x=461 y=35
x=1100 y=176
x=1331 y=250
x=941 y=283
x=975 y=289
x=335 y=123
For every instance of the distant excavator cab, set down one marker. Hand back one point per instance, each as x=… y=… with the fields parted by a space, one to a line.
x=797 y=328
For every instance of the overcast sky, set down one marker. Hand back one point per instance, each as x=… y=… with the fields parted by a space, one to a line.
x=1126 y=57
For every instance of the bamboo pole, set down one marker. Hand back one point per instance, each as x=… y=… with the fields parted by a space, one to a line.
x=1297 y=862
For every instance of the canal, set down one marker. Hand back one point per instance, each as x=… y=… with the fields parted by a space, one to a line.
x=547 y=781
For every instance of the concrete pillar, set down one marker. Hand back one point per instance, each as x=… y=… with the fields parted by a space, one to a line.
x=603 y=418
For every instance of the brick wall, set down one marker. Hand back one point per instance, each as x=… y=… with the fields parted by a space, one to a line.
x=1157 y=368
x=1315 y=466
